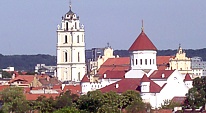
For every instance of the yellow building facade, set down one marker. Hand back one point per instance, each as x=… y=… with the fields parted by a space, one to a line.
x=180 y=62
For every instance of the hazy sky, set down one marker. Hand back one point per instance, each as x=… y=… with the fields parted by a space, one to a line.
x=29 y=26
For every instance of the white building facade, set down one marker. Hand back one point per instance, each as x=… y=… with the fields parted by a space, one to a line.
x=71 y=64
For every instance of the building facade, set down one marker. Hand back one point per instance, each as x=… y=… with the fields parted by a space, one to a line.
x=181 y=62
x=70 y=48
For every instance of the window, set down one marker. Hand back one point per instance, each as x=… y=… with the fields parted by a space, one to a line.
x=77 y=38
x=145 y=61
x=67 y=26
x=153 y=61
x=78 y=57
x=140 y=61
x=78 y=76
x=150 y=61
x=65 y=56
x=65 y=39
x=136 y=61
x=132 y=61
x=75 y=25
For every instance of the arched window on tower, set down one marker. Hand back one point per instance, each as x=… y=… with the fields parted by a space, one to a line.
x=65 y=56
x=65 y=40
x=67 y=27
x=145 y=61
x=77 y=38
x=75 y=25
x=78 y=57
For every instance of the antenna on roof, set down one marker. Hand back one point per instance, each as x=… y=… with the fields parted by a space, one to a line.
x=142 y=25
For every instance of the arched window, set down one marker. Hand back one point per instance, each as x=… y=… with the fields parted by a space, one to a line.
x=77 y=38
x=78 y=57
x=67 y=27
x=65 y=39
x=75 y=25
x=65 y=56
x=145 y=61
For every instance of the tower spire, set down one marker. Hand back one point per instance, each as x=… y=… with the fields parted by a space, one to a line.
x=70 y=5
x=142 y=25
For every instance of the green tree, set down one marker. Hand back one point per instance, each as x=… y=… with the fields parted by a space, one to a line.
x=196 y=96
x=14 y=100
x=90 y=102
x=137 y=107
x=68 y=110
x=45 y=105
x=66 y=99
x=129 y=97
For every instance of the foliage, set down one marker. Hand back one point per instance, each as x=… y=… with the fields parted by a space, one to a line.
x=90 y=102
x=196 y=96
x=68 y=110
x=26 y=62
x=168 y=104
x=44 y=104
x=129 y=97
x=14 y=100
x=136 y=107
x=66 y=100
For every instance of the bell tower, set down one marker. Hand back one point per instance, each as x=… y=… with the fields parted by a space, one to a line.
x=71 y=64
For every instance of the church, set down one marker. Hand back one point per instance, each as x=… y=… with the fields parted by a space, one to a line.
x=141 y=75
x=70 y=48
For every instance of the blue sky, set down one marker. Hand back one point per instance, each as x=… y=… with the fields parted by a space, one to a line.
x=29 y=26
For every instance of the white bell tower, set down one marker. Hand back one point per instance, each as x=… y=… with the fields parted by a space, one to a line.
x=71 y=64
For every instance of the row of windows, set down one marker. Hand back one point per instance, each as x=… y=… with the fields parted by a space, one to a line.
x=66 y=39
x=146 y=61
x=66 y=57
x=67 y=26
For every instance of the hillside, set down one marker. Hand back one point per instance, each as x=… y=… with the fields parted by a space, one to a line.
x=27 y=62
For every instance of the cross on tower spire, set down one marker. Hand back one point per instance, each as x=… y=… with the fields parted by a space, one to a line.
x=142 y=26
x=70 y=5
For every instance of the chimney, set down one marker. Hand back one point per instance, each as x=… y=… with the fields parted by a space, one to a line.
x=116 y=85
x=163 y=75
x=47 y=78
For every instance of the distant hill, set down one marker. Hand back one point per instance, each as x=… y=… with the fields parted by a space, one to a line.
x=28 y=62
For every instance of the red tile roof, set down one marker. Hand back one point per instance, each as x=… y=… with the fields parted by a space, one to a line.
x=187 y=77
x=102 y=70
x=75 y=89
x=154 y=88
x=26 y=78
x=142 y=43
x=85 y=79
x=145 y=78
x=117 y=61
x=113 y=75
x=157 y=74
x=162 y=62
x=179 y=100
x=35 y=96
x=115 y=64
x=123 y=85
x=2 y=87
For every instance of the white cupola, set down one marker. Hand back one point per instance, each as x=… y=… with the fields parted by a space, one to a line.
x=143 y=53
